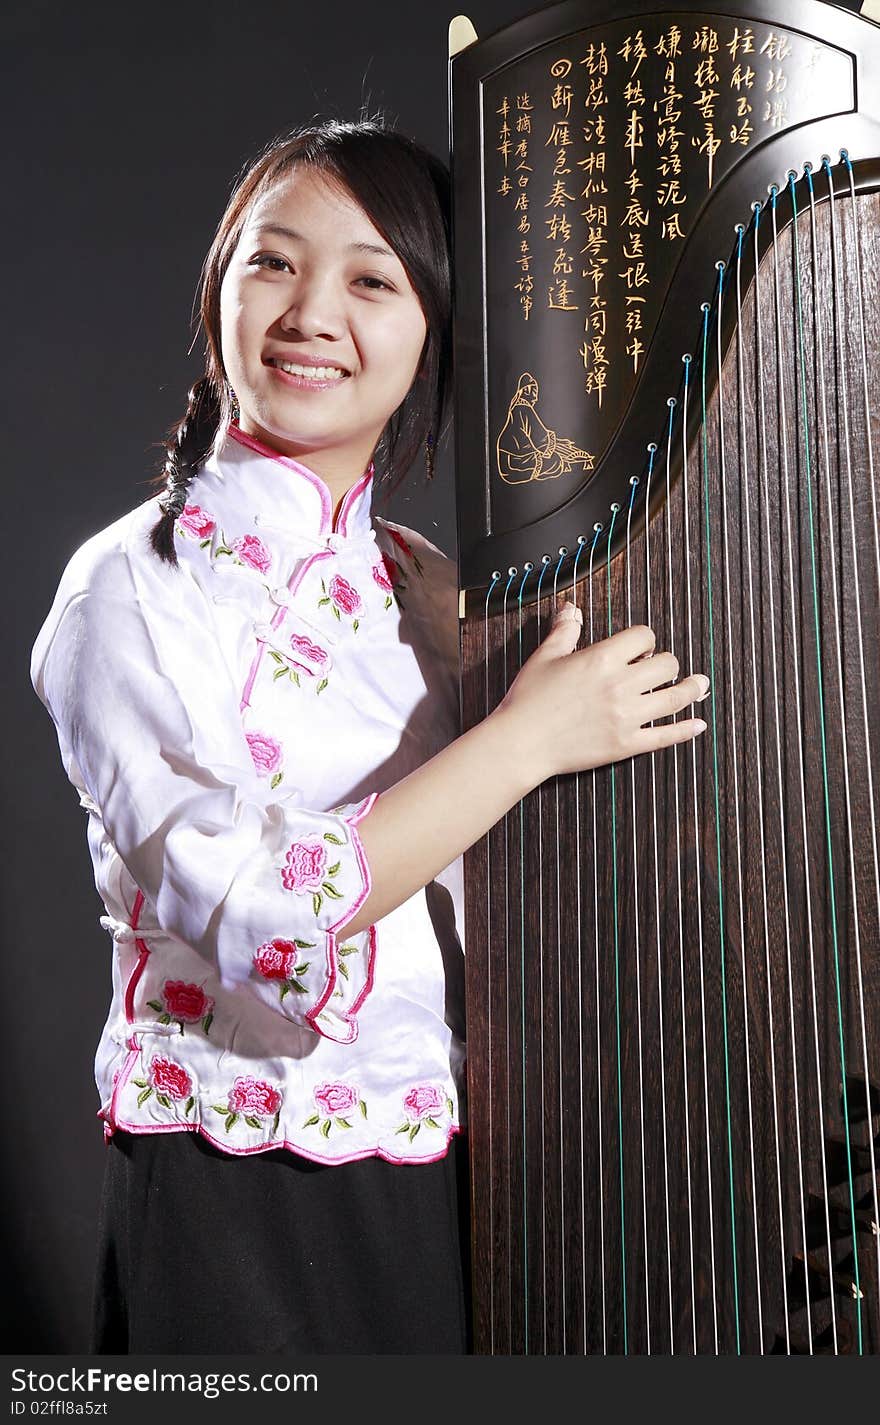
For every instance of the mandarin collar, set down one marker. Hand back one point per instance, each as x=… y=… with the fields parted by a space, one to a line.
x=247 y=481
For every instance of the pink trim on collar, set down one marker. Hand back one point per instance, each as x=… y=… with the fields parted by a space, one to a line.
x=312 y=476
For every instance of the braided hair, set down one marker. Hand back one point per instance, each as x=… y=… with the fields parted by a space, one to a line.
x=404 y=190
x=188 y=446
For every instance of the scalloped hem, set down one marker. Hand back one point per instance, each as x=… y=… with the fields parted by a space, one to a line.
x=378 y=1152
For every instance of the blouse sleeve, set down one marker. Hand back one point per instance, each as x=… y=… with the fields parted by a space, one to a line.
x=257 y=883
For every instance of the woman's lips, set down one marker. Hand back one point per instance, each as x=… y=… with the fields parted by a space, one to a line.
x=306 y=383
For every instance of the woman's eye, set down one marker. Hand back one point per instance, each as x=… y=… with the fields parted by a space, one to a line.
x=263 y=259
x=378 y=284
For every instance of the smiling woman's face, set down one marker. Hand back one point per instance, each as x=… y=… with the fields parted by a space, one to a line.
x=312 y=280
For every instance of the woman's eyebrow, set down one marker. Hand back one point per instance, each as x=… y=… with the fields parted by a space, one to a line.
x=279 y=231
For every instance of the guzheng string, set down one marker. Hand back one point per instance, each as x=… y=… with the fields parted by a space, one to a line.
x=859 y=642
x=691 y=1194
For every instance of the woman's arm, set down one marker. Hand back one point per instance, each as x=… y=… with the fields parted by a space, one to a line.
x=566 y=711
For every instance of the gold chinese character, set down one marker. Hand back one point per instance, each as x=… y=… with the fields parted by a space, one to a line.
x=595 y=272
x=669 y=195
x=743 y=107
x=743 y=77
x=706 y=40
x=561 y=98
x=706 y=103
x=559 y=227
x=505 y=187
x=523 y=226
x=775 y=114
x=596 y=95
x=636 y=275
x=633 y=47
x=593 y=163
x=705 y=74
x=741 y=133
x=559 y=297
x=634 y=130
x=524 y=124
x=596 y=240
x=559 y=135
x=635 y=247
x=669 y=44
x=776 y=47
x=523 y=101
x=633 y=183
x=558 y=196
x=504 y=107
x=743 y=42
x=635 y=349
x=594 y=131
x=634 y=215
x=595 y=61
x=633 y=93
x=776 y=81
x=595 y=382
x=634 y=320
x=672 y=227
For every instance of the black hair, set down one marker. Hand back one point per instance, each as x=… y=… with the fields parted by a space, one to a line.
x=404 y=191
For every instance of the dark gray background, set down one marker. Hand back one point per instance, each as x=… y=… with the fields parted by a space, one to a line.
x=125 y=127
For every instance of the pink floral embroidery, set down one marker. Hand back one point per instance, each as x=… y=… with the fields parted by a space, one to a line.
x=185 y=1002
x=169 y=1078
x=169 y=1081
x=337 y=1098
x=424 y=1099
x=344 y=595
x=389 y=576
x=407 y=549
x=306 y=871
x=253 y=1100
x=277 y=960
x=251 y=550
x=266 y=754
x=196 y=521
x=305 y=865
x=339 y=594
x=384 y=573
x=422 y=1105
x=249 y=1095
x=307 y=649
x=334 y=1102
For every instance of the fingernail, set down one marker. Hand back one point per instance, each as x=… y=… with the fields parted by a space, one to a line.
x=699 y=724
x=705 y=686
x=568 y=610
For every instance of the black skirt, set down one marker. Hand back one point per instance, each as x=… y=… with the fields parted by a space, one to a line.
x=203 y=1252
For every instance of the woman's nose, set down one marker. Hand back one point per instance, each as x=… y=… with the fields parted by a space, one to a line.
x=316 y=309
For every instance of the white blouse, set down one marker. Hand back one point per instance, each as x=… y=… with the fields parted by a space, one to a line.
x=228 y=724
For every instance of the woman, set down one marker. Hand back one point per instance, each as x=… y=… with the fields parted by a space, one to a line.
x=254 y=683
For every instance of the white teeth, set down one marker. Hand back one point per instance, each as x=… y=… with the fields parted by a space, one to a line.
x=316 y=373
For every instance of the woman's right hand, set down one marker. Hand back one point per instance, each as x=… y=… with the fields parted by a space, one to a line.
x=571 y=709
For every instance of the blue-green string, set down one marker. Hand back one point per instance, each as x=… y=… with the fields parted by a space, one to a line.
x=522 y=979
x=824 y=743
x=615 y=508
x=718 y=862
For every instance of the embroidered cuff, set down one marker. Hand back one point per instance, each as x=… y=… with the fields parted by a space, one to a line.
x=321 y=880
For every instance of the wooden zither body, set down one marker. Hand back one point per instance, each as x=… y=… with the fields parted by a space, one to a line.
x=674 y=963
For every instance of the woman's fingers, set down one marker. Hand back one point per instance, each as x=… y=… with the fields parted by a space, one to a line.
x=665 y=702
x=650 y=673
x=665 y=734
